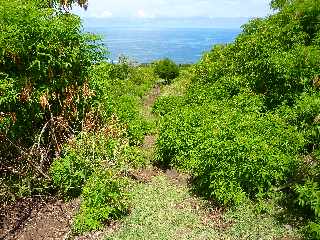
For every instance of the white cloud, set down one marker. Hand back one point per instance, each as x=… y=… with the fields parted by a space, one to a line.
x=176 y=8
x=106 y=14
x=143 y=14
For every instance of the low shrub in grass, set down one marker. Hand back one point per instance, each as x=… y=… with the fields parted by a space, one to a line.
x=89 y=152
x=94 y=167
x=70 y=172
x=307 y=192
x=166 y=69
x=104 y=197
x=122 y=69
x=308 y=197
x=78 y=162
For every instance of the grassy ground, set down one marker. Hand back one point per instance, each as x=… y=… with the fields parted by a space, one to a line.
x=163 y=207
x=162 y=210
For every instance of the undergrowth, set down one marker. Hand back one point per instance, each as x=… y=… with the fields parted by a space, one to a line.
x=248 y=125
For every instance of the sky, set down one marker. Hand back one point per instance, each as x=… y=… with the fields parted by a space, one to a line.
x=174 y=8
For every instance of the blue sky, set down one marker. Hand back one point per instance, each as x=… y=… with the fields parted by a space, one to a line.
x=175 y=8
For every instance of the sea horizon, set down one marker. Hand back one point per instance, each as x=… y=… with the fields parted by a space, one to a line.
x=145 y=40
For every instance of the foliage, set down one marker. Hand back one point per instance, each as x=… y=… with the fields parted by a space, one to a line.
x=44 y=63
x=94 y=167
x=166 y=69
x=104 y=197
x=107 y=148
x=123 y=69
x=309 y=195
x=164 y=105
x=230 y=147
x=252 y=109
x=66 y=4
x=122 y=96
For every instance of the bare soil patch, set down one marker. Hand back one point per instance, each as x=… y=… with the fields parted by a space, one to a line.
x=151 y=97
x=149 y=141
x=180 y=179
x=145 y=175
x=214 y=218
x=30 y=219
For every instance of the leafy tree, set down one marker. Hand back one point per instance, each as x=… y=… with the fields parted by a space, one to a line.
x=68 y=3
x=166 y=69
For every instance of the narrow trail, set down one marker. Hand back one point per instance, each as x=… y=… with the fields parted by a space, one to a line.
x=163 y=207
x=149 y=100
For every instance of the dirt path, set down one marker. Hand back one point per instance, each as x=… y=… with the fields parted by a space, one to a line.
x=150 y=99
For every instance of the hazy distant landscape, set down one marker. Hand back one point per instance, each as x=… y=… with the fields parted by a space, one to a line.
x=144 y=40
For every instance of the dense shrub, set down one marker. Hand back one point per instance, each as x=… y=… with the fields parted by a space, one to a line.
x=251 y=111
x=123 y=69
x=231 y=149
x=78 y=162
x=94 y=167
x=44 y=64
x=58 y=102
x=274 y=55
x=107 y=148
x=166 y=69
x=164 y=105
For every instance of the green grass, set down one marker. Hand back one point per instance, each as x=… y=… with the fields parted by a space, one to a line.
x=179 y=85
x=163 y=210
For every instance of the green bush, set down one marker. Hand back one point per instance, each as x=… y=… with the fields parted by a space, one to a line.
x=104 y=197
x=166 y=69
x=69 y=174
x=80 y=160
x=249 y=122
x=250 y=110
x=88 y=153
x=231 y=149
x=309 y=198
x=44 y=62
x=164 y=105
x=94 y=167
x=45 y=59
x=122 y=69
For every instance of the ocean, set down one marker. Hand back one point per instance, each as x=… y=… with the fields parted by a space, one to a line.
x=147 y=41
